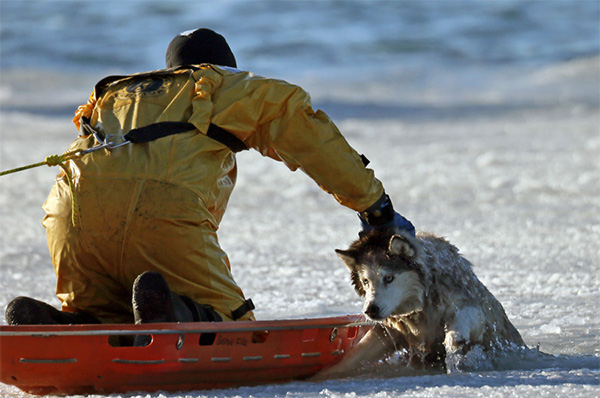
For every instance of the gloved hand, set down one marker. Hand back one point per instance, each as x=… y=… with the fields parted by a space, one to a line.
x=382 y=215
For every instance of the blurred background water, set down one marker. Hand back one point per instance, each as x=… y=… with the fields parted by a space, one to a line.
x=296 y=37
x=399 y=58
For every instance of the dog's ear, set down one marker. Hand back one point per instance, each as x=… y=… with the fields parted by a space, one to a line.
x=401 y=246
x=348 y=257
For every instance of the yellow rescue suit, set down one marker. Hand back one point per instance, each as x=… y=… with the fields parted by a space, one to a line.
x=157 y=205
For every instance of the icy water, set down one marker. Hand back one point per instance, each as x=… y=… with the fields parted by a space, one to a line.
x=480 y=117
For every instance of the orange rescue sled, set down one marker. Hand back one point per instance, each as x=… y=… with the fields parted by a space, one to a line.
x=81 y=359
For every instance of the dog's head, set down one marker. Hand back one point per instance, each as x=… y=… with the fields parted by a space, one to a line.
x=386 y=268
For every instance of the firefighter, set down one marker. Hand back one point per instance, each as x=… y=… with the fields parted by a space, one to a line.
x=144 y=245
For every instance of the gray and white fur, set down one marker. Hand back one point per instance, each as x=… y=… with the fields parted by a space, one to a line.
x=427 y=296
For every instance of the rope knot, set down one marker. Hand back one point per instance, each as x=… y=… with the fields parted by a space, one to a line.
x=54 y=160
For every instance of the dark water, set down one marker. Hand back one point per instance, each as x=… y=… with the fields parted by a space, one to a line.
x=291 y=36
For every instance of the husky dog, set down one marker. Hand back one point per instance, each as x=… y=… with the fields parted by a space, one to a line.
x=427 y=297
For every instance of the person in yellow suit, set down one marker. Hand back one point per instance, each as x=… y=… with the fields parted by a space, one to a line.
x=141 y=245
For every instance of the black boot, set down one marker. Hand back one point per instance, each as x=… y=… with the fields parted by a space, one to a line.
x=27 y=311
x=154 y=302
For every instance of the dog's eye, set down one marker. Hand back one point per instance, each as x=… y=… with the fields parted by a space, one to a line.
x=388 y=279
x=365 y=282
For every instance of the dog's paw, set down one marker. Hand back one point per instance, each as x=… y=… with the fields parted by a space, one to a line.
x=455 y=342
x=466 y=328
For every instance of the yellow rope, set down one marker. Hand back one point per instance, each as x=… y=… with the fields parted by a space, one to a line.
x=57 y=160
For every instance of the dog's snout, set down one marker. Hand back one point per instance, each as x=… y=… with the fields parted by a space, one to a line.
x=372 y=311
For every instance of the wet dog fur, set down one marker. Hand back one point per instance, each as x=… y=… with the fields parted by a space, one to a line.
x=426 y=296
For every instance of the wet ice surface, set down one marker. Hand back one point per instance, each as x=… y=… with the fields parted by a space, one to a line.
x=510 y=174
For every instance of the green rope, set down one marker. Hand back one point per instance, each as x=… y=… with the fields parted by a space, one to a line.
x=31 y=166
x=52 y=160
x=57 y=160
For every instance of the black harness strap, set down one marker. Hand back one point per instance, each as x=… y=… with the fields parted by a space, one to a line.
x=155 y=131
x=365 y=160
x=163 y=129
x=248 y=305
x=226 y=138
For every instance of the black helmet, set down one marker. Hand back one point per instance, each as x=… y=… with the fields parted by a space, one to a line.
x=197 y=47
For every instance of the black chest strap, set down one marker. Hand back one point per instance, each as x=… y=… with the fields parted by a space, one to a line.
x=154 y=131
x=164 y=129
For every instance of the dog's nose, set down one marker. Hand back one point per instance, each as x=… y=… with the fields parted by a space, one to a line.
x=372 y=311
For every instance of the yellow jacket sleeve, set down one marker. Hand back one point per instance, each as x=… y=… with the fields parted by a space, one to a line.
x=276 y=118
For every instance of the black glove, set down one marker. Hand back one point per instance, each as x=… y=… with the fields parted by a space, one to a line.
x=382 y=215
